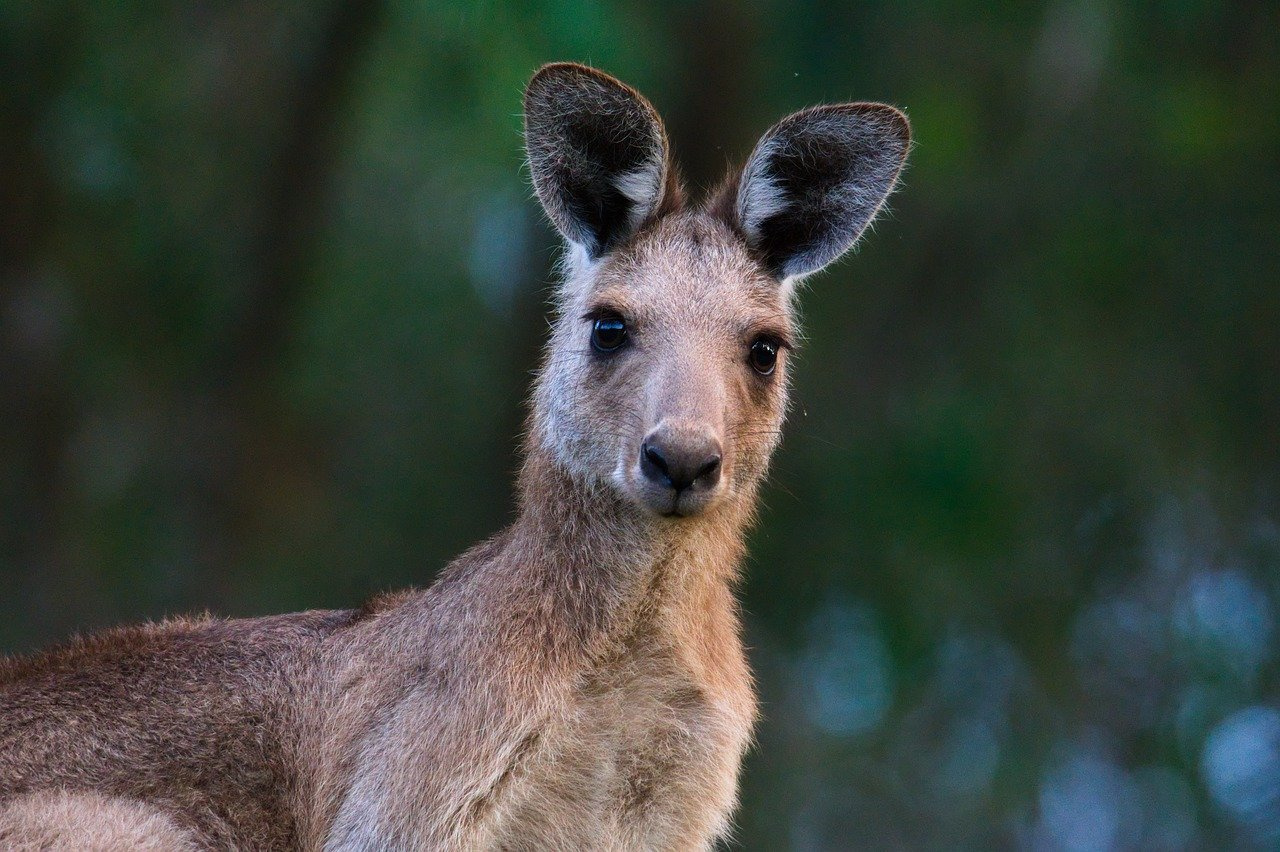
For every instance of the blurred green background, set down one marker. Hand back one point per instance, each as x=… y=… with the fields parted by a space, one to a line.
x=272 y=284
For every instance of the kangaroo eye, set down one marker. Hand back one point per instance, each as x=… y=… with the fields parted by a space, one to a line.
x=763 y=356
x=608 y=333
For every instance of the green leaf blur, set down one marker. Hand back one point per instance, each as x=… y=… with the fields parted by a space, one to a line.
x=272 y=283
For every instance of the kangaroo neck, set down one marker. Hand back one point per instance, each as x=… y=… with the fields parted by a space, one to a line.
x=602 y=562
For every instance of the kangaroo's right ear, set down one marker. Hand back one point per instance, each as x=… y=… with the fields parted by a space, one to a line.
x=598 y=153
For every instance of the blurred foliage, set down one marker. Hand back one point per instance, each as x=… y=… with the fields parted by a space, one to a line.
x=272 y=283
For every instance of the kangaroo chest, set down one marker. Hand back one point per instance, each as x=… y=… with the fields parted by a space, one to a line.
x=645 y=756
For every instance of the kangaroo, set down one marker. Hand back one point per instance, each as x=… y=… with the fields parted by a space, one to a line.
x=577 y=681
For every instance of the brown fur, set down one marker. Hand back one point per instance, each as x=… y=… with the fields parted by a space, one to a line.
x=578 y=681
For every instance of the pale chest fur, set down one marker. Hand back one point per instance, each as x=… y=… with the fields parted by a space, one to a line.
x=644 y=756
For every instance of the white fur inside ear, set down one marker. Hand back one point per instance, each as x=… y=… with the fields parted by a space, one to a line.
x=642 y=186
x=790 y=286
x=759 y=195
x=577 y=273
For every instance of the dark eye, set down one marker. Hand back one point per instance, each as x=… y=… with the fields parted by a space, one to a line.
x=763 y=356
x=608 y=333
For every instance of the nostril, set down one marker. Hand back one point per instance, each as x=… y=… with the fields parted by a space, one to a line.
x=654 y=464
x=709 y=471
x=654 y=455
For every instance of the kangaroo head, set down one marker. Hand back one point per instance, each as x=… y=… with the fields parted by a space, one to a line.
x=665 y=378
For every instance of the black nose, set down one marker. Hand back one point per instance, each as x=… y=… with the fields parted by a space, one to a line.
x=681 y=464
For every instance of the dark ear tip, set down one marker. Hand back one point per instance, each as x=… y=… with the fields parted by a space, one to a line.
x=890 y=118
x=549 y=76
x=560 y=70
x=569 y=75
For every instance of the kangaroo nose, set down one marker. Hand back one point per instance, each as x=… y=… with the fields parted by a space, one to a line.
x=689 y=462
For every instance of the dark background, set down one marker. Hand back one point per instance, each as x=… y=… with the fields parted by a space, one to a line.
x=272 y=284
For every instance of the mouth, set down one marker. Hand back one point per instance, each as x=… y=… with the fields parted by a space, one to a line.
x=683 y=504
x=676 y=508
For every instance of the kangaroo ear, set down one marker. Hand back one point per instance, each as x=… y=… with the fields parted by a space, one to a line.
x=598 y=153
x=816 y=180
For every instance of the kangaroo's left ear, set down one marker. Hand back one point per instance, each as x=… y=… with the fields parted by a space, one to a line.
x=815 y=181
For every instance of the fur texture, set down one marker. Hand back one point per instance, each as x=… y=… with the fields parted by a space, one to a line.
x=577 y=681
